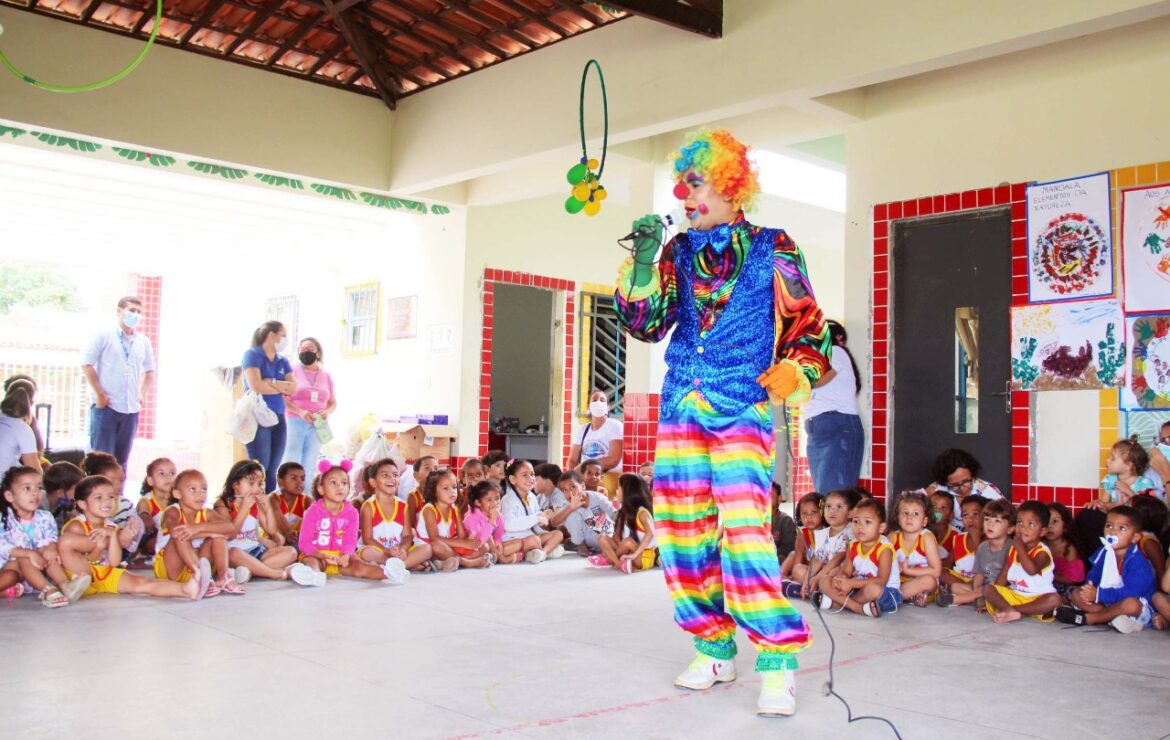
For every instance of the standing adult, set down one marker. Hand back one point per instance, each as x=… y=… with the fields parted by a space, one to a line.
x=30 y=387
x=835 y=438
x=119 y=365
x=312 y=401
x=269 y=373
x=18 y=446
x=746 y=330
x=599 y=439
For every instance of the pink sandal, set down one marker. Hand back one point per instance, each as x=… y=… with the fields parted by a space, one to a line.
x=212 y=590
x=14 y=592
x=231 y=587
x=597 y=561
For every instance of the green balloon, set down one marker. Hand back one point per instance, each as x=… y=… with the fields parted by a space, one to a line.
x=572 y=205
x=576 y=173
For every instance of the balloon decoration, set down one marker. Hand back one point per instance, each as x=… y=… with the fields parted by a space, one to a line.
x=585 y=176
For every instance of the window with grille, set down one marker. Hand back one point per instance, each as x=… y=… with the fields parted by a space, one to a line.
x=285 y=309
x=361 y=320
x=604 y=352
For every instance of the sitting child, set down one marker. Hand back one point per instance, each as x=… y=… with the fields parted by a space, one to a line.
x=525 y=525
x=495 y=464
x=633 y=546
x=868 y=583
x=1024 y=587
x=154 y=498
x=592 y=472
x=28 y=543
x=919 y=565
x=830 y=554
x=91 y=545
x=1153 y=513
x=1125 y=475
x=959 y=566
x=411 y=483
x=646 y=470
x=999 y=517
x=192 y=539
x=129 y=524
x=1121 y=581
x=1068 y=569
x=471 y=473
x=290 y=501
x=942 y=514
x=440 y=526
x=809 y=536
x=251 y=550
x=548 y=497
x=329 y=533
x=588 y=516
x=484 y=522
x=385 y=537
x=60 y=479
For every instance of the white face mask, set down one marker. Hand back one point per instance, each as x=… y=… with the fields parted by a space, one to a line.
x=598 y=408
x=282 y=344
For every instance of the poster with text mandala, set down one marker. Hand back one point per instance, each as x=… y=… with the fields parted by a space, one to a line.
x=1145 y=248
x=1070 y=239
x=1147 y=372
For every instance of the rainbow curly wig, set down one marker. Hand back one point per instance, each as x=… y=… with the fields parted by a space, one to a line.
x=720 y=159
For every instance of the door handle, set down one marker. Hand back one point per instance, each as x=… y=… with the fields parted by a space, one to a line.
x=1007 y=396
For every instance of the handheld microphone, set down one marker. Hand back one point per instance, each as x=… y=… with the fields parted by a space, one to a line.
x=646 y=240
x=674 y=219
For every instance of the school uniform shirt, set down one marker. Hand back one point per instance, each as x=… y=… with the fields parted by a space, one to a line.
x=811 y=540
x=964 y=557
x=916 y=557
x=32 y=534
x=447 y=526
x=866 y=563
x=164 y=535
x=155 y=508
x=1020 y=581
x=1137 y=577
x=520 y=515
x=946 y=543
x=249 y=534
x=293 y=514
x=386 y=527
x=324 y=530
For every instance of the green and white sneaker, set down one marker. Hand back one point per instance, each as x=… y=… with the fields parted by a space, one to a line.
x=704 y=672
x=777 y=694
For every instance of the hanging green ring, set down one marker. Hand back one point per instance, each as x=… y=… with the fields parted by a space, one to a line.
x=604 y=111
x=100 y=83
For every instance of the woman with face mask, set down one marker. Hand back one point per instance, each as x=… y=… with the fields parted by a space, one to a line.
x=269 y=373
x=599 y=439
x=308 y=408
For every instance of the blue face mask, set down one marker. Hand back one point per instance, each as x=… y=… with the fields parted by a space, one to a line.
x=130 y=319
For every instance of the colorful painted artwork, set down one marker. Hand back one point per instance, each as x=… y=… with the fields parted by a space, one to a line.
x=1145 y=247
x=1147 y=425
x=1070 y=243
x=1073 y=346
x=1147 y=376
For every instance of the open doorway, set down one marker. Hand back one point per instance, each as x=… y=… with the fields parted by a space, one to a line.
x=521 y=371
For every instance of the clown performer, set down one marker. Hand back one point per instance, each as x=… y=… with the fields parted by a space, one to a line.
x=747 y=330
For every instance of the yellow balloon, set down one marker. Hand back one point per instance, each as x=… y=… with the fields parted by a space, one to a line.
x=600 y=194
x=592 y=164
x=581 y=191
x=592 y=207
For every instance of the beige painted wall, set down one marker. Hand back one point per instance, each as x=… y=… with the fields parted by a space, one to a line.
x=192 y=104
x=1068 y=109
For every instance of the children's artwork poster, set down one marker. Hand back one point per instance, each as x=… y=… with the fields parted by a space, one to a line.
x=1070 y=239
x=1145 y=248
x=1147 y=371
x=1068 y=346
x=402 y=317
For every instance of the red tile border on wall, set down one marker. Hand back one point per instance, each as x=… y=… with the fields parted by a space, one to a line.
x=881 y=403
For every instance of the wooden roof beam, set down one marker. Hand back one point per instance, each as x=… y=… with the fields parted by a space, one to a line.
x=366 y=56
x=437 y=48
x=539 y=20
x=703 y=17
x=473 y=41
x=486 y=20
x=253 y=25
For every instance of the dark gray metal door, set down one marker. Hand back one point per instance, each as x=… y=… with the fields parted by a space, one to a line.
x=951 y=343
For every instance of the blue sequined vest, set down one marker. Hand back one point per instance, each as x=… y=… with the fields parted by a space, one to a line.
x=723 y=364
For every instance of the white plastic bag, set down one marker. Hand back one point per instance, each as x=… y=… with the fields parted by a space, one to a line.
x=265 y=416
x=374 y=448
x=242 y=425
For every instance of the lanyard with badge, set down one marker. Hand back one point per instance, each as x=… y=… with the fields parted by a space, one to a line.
x=314 y=396
x=127 y=344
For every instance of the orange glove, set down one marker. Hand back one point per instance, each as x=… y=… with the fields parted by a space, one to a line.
x=785 y=382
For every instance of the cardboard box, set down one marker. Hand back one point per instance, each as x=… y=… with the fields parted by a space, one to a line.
x=416 y=440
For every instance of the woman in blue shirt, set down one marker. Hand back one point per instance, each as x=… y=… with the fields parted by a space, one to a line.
x=268 y=373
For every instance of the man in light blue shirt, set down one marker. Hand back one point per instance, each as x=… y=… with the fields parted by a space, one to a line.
x=119 y=365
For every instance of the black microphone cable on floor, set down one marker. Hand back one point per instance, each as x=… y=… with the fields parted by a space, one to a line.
x=829 y=689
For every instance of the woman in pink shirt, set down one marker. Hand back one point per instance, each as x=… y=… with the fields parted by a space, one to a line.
x=330 y=529
x=308 y=408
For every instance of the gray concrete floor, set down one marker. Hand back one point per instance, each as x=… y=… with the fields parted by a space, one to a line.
x=547 y=651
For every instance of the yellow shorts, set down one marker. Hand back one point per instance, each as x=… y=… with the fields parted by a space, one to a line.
x=648 y=558
x=959 y=576
x=160 y=570
x=105 y=579
x=330 y=570
x=1014 y=598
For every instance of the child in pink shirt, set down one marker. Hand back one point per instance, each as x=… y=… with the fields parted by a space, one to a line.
x=484 y=521
x=330 y=529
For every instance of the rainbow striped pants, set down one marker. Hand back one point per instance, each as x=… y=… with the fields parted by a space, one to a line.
x=707 y=466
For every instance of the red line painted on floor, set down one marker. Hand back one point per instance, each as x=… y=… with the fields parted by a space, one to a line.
x=551 y=721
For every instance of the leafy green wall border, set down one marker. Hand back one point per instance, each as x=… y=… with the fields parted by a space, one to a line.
x=218 y=171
